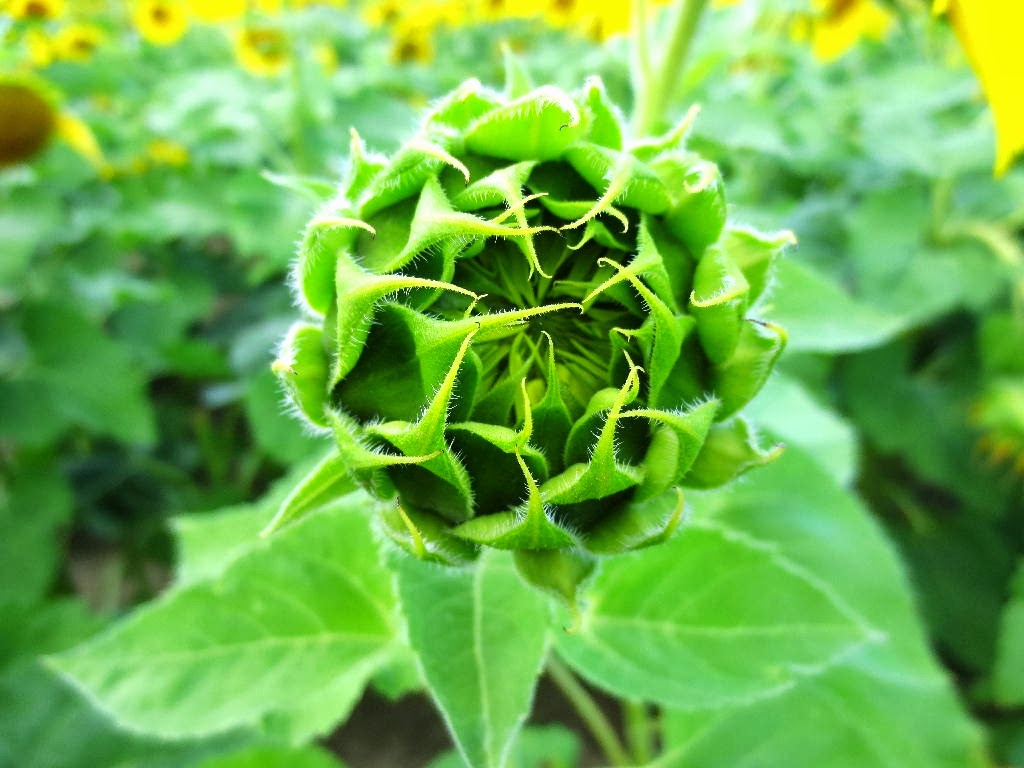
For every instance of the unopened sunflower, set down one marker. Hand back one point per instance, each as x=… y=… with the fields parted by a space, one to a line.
x=527 y=332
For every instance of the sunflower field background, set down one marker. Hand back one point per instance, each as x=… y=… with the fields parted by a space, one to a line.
x=158 y=162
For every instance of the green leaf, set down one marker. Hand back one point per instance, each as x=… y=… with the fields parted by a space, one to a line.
x=538 y=746
x=282 y=623
x=789 y=412
x=689 y=624
x=822 y=317
x=44 y=723
x=77 y=375
x=34 y=503
x=884 y=704
x=1009 y=667
x=276 y=432
x=275 y=757
x=481 y=638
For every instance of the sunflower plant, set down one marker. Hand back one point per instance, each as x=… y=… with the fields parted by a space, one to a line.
x=590 y=423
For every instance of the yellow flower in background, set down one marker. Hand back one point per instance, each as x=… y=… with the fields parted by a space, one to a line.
x=990 y=33
x=79 y=136
x=39 y=48
x=270 y=7
x=36 y=9
x=325 y=55
x=77 y=42
x=382 y=12
x=262 y=51
x=216 y=11
x=841 y=24
x=412 y=41
x=30 y=112
x=167 y=152
x=161 y=22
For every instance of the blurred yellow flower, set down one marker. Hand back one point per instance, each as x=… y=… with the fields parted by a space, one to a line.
x=382 y=12
x=77 y=42
x=167 y=152
x=325 y=55
x=79 y=136
x=990 y=33
x=30 y=113
x=216 y=11
x=39 y=48
x=36 y=9
x=262 y=51
x=161 y=22
x=412 y=41
x=841 y=24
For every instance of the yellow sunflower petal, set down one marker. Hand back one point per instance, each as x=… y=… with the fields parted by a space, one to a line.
x=79 y=136
x=842 y=23
x=990 y=34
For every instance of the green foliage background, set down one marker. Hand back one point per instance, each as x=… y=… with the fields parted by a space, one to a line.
x=858 y=603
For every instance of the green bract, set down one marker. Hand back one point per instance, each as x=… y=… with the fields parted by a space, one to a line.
x=529 y=334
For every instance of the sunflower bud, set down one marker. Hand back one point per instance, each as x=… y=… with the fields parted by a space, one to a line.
x=525 y=334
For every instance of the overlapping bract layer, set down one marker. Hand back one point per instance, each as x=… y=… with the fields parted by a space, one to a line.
x=528 y=334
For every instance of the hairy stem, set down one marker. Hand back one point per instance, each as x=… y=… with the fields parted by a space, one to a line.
x=655 y=90
x=639 y=731
x=603 y=732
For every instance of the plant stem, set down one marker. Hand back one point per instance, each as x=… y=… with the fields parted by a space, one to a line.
x=655 y=92
x=639 y=731
x=584 y=704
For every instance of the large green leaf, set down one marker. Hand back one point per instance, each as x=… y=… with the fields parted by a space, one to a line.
x=33 y=505
x=44 y=723
x=76 y=375
x=787 y=410
x=274 y=757
x=549 y=746
x=284 y=622
x=887 y=703
x=481 y=637
x=1009 y=669
x=711 y=618
x=820 y=316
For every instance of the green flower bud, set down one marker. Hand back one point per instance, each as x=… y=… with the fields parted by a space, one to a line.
x=526 y=334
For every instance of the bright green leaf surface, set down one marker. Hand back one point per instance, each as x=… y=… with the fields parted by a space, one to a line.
x=1009 y=669
x=820 y=316
x=33 y=504
x=274 y=757
x=282 y=623
x=887 y=704
x=713 y=617
x=548 y=746
x=481 y=636
x=44 y=723
x=786 y=410
x=77 y=376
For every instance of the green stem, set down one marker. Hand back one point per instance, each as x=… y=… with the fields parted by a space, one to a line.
x=639 y=731
x=589 y=712
x=655 y=91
